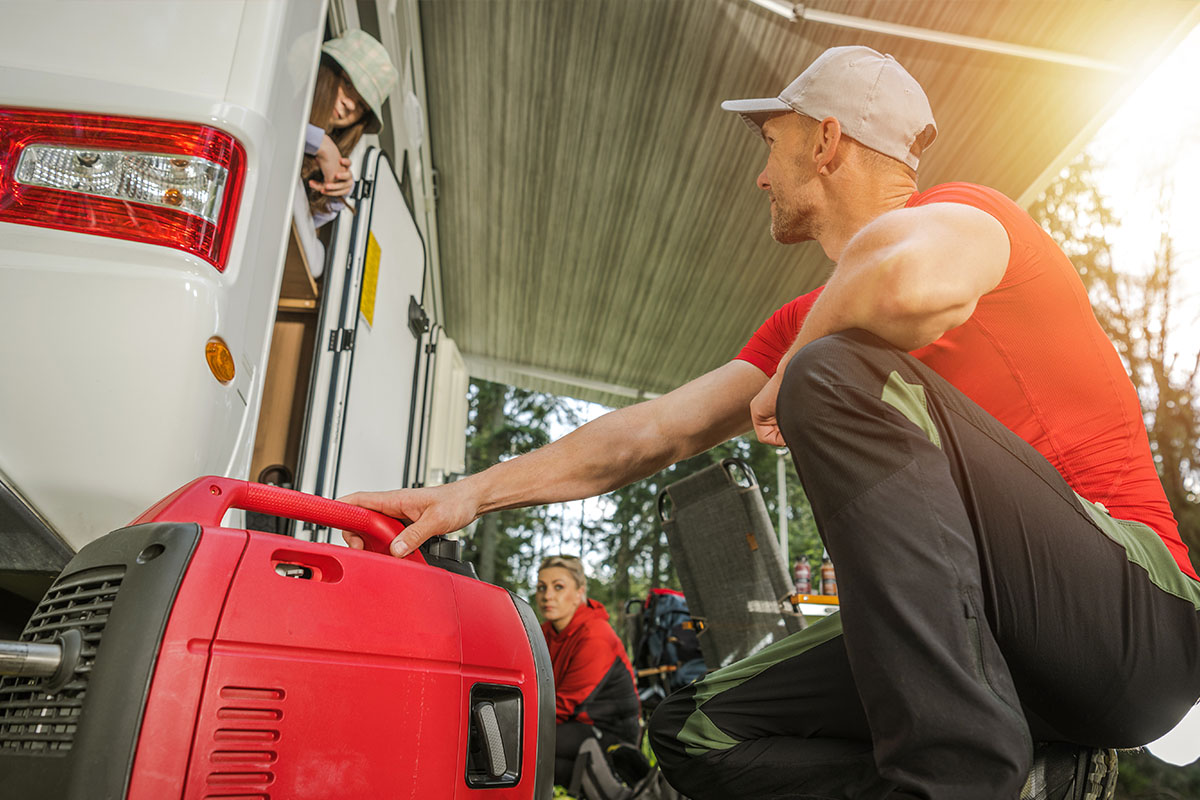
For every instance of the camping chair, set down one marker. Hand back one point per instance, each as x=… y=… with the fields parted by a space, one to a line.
x=724 y=550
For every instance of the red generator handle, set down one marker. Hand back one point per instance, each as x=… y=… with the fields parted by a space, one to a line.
x=206 y=500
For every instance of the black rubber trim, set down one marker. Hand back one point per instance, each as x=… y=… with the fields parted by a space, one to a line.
x=443 y=553
x=100 y=760
x=27 y=542
x=434 y=335
x=31 y=556
x=543 y=782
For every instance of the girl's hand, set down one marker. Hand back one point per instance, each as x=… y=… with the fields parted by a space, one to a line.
x=334 y=168
x=339 y=186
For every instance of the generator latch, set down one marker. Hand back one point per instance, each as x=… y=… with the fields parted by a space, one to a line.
x=442 y=547
x=447 y=554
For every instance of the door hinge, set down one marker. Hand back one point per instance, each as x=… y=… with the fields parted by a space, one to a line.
x=341 y=339
x=364 y=189
x=418 y=320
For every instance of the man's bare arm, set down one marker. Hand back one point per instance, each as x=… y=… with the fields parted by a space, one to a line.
x=908 y=277
x=609 y=452
x=911 y=275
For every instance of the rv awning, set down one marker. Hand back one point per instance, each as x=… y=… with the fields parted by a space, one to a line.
x=600 y=234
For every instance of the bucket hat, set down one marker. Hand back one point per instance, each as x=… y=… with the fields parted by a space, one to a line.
x=368 y=66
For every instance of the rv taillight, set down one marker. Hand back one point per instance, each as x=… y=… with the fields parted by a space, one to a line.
x=168 y=183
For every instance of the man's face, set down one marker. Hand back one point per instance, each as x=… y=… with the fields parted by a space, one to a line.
x=787 y=178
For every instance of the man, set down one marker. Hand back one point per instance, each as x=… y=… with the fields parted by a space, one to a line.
x=950 y=402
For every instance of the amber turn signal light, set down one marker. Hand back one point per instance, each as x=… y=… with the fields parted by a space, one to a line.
x=220 y=360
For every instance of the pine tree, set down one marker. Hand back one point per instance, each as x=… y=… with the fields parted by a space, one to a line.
x=504 y=422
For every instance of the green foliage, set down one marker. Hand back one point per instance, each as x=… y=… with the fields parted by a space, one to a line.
x=1142 y=776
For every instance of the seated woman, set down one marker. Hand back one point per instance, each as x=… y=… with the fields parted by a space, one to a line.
x=594 y=686
x=354 y=78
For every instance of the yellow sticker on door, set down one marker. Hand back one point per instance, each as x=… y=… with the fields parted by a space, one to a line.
x=370 y=278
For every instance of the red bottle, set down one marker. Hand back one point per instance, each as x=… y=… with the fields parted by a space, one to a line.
x=802 y=576
x=828 y=578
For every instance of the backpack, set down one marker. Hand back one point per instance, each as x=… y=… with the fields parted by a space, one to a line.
x=619 y=773
x=666 y=653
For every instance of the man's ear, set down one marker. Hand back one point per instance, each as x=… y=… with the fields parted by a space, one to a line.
x=825 y=145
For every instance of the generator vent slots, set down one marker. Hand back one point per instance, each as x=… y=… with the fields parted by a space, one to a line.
x=243 y=754
x=31 y=718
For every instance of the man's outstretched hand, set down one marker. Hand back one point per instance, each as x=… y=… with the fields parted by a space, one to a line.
x=762 y=411
x=433 y=511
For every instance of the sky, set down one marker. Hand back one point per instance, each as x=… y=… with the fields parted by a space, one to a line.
x=1152 y=144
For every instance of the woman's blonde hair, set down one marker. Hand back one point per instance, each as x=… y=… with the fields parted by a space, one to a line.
x=571 y=564
x=329 y=77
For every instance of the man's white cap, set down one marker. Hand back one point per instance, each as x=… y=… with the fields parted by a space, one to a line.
x=874 y=99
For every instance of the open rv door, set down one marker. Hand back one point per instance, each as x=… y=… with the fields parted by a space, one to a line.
x=368 y=398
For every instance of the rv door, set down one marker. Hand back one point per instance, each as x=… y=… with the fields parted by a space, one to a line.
x=367 y=404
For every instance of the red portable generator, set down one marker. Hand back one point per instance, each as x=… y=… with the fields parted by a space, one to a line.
x=179 y=659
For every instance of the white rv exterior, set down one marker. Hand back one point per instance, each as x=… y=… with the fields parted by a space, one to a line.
x=107 y=401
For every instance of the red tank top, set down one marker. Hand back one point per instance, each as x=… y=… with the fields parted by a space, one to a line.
x=1035 y=358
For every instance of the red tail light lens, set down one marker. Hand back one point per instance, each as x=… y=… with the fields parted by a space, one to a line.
x=167 y=183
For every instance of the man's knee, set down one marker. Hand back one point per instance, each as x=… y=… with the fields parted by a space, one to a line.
x=816 y=374
x=829 y=357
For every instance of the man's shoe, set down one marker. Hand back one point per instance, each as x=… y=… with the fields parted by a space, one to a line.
x=1069 y=772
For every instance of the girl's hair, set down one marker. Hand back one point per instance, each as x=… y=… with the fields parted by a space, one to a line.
x=571 y=564
x=329 y=77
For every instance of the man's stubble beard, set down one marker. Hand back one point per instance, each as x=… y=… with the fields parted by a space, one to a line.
x=792 y=226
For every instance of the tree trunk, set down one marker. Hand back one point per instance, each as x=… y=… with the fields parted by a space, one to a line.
x=489 y=526
x=657 y=572
x=487 y=532
x=621 y=564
